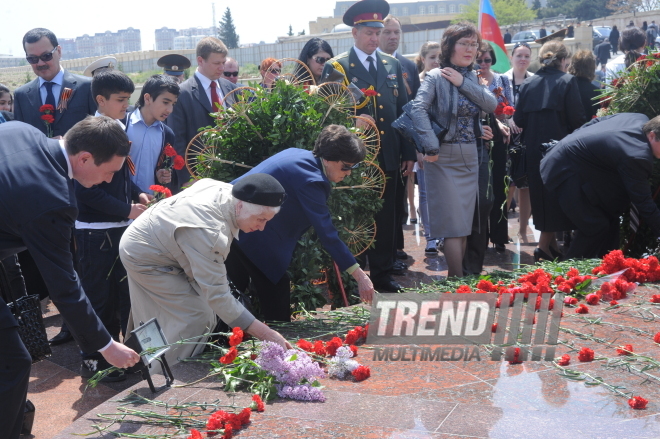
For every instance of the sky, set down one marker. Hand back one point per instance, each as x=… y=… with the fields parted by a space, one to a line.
x=255 y=20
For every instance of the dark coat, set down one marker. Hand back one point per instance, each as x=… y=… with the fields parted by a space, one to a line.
x=389 y=103
x=602 y=52
x=191 y=112
x=548 y=108
x=410 y=75
x=610 y=161
x=37 y=213
x=614 y=40
x=507 y=38
x=27 y=101
x=588 y=92
x=307 y=188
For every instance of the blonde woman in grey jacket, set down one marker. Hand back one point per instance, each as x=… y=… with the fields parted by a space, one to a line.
x=453 y=97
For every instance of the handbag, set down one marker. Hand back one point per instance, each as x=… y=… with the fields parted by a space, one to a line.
x=404 y=125
x=518 y=163
x=27 y=312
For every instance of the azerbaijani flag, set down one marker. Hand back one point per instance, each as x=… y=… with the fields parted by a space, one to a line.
x=490 y=31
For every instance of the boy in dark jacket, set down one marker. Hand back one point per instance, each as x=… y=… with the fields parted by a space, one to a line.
x=105 y=210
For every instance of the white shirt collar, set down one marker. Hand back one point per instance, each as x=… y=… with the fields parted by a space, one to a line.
x=58 y=79
x=362 y=56
x=66 y=157
x=206 y=82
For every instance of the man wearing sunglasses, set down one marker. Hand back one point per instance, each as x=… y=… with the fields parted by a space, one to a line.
x=263 y=257
x=69 y=94
x=231 y=71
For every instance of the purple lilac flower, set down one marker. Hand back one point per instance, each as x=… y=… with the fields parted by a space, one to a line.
x=302 y=392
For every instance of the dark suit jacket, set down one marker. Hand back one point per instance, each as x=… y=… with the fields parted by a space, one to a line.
x=411 y=75
x=27 y=101
x=192 y=112
x=391 y=98
x=602 y=52
x=37 y=213
x=307 y=188
x=588 y=92
x=610 y=160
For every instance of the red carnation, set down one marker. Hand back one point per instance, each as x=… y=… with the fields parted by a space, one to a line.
x=178 y=163
x=509 y=110
x=493 y=328
x=195 y=434
x=656 y=337
x=593 y=299
x=46 y=107
x=637 y=402
x=582 y=309
x=570 y=301
x=352 y=337
x=586 y=355
x=169 y=151
x=244 y=415
x=361 y=373
x=228 y=432
x=354 y=349
x=516 y=357
x=464 y=289
x=614 y=302
x=305 y=345
x=48 y=118
x=655 y=298
x=565 y=360
x=368 y=92
x=624 y=350
x=230 y=356
x=332 y=346
x=319 y=348
x=257 y=403
x=237 y=337
x=214 y=423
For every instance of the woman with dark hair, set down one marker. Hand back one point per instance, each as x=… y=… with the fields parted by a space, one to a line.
x=583 y=66
x=314 y=55
x=498 y=224
x=549 y=108
x=453 y=98
x=6 y=105
x=632 y=44
x=614 y=40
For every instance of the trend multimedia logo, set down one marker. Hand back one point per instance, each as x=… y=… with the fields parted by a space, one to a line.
x=473 y=320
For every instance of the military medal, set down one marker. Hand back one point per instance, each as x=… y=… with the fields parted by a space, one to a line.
x=396 y=92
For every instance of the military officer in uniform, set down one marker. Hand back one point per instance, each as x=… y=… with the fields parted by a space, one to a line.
x=174 y=65
x=368 y=68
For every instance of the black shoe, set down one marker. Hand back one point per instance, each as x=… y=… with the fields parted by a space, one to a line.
x=500 y=248
x=540 y=256
x=90 y=366
x=61 y=338
x=399 y=268
x=400 y=254
x=388 y=285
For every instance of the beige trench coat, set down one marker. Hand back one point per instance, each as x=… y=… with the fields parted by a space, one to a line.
x=174 y=256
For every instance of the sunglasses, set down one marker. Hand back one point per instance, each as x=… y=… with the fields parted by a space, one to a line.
x=522 y=43
x=346 y=168
x=275 y=71
x=34 y=59
x=230 y=74
x=484 y=61
x=321 y=60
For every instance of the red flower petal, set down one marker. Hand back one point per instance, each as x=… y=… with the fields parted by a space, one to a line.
x=637 y=402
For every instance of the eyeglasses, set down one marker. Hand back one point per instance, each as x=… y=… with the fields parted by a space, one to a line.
x=275 y=71
x=34 y=59
x=321 y=60
x=468 y=45
x=345 y=167
x=484 y=61
x=230 y=74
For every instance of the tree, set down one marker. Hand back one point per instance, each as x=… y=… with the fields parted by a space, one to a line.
x=290 y=31
x=580 y=9
x=302 y=33
x=536 y=5
x=227 y=32
x=507 y=12
x=633 y=5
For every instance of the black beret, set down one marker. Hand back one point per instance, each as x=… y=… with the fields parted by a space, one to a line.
x=261 y=189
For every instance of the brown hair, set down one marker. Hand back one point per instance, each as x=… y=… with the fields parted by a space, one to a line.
x=553 y=53
x=583 y=64
x=265 y=64
x=484 y=48
x=653 y=125
x=209 y=45
x=389 y=18
x=451 y=36
x=423 y=51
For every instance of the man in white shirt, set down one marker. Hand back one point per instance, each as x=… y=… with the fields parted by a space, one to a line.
x=201 y=94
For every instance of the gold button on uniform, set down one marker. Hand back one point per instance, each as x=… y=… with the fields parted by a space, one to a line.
x=382 y=132
x=380 y=106
x=382 y=120
x=378 y=94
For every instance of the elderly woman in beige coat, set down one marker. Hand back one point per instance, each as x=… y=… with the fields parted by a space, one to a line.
x=174 y=255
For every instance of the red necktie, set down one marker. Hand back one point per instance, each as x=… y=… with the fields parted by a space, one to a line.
x=214 y=96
